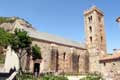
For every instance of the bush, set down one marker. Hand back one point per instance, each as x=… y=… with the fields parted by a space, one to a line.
x=25 y=77
x=6 y=20
x=52 y=77
x=93 y=76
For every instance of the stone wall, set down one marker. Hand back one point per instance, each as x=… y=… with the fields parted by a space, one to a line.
x=65 y=62
x=111 y=68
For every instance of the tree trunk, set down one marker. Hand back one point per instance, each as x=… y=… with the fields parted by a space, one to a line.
x=20 y=61
x=20 y=66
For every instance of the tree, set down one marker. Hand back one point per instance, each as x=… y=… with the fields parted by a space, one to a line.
x=21 y=44
x=36 y=53
x=5 y=39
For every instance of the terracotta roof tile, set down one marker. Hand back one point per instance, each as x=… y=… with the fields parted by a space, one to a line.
x=114 y=56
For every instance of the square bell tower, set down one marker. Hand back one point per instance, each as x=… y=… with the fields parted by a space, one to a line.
x=95 y=36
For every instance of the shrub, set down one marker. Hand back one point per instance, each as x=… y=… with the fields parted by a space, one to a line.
x=25 y=77
x=6 y=20
x=52 y=77
x=93 y=76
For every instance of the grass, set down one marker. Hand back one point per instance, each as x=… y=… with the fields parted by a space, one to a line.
x=93 y=76
x=52 y=77
x=27 y=76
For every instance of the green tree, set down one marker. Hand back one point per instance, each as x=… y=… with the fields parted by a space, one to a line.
x=21 y=44
x=5 y=39
x=36 y=52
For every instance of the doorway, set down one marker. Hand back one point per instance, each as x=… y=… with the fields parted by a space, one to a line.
x=36 y=69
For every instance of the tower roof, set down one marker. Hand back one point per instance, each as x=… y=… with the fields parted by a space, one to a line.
x=93 y=8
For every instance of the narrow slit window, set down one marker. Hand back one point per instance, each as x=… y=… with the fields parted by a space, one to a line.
x=99 y=18
x=104 y=64
x=91 y=18
x=101 y=38
x=90 y=28
x=64 y=54
x=90 y=39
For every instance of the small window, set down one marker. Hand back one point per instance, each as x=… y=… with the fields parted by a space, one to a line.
x=99 y=18
x=104 y=64
x=78 y=57
x=90 y=19
x=101 y=38
x=90 y=28
x=64 y=54
x=90 y=39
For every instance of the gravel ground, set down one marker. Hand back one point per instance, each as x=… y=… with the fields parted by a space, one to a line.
x=75 y=77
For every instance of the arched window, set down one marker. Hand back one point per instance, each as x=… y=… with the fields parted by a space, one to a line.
x=90 y=38
x=54 y=59
x=90 y=28
x=99 y=18
x=64 y=54
x=90 y=19
x=75 y=63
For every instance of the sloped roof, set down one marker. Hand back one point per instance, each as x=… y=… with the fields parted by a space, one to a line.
x=114 y=56
x=55 y=39
x=42 y=35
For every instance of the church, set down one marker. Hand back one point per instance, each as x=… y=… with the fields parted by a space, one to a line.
x=63 y=55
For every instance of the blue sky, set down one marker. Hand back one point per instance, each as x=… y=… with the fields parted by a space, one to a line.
x=65 y=17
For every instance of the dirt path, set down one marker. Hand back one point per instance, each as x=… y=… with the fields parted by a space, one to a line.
x=75 y=77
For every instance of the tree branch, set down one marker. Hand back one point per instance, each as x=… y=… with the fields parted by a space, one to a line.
x=22 y=53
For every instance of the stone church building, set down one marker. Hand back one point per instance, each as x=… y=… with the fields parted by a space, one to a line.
x=63 y=55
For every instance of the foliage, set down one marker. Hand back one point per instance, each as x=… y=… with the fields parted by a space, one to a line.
x=5 y=38
x=93 y=76
x=46 y=77
x=36 y=53
x=26 y=77
x=21 y=44
x=52 y=77
x=6 y=20
x=20 y=40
